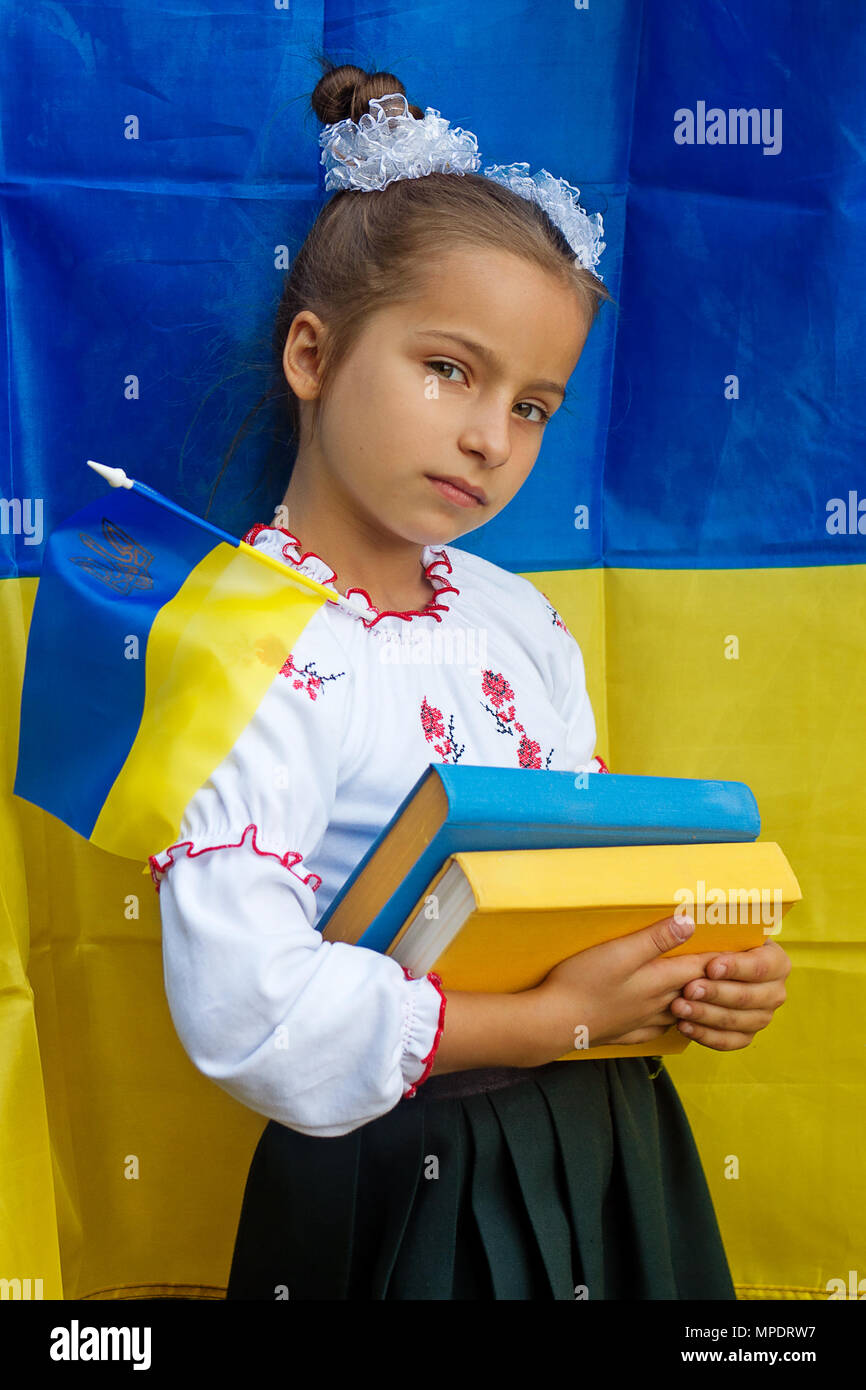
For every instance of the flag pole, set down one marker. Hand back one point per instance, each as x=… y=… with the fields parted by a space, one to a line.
x=115 y=476
x=118 y=478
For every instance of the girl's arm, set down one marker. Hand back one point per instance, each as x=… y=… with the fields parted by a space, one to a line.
x=494 y=1030
x=320 y=1036
x=620 y=991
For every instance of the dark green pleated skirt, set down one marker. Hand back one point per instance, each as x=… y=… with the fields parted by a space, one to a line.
x=582 y=1180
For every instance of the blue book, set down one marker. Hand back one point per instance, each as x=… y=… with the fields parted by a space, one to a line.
x=458 y=807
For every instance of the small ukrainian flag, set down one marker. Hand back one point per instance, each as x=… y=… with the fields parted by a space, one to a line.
x=154 y=637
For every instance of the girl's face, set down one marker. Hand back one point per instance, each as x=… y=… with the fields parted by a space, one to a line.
x=411 y=403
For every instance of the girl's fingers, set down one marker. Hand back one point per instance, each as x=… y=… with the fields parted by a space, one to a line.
x=732 y=994
x=767 y=962
x=711 y=1018
x=726 y=1008
x=720 y=1041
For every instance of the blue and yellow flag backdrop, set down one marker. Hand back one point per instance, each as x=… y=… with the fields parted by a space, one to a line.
x=696 y=514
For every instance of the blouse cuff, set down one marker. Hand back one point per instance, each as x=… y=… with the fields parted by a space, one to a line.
x=424 y=1020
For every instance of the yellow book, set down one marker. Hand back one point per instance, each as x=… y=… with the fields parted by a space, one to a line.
x=499 y=921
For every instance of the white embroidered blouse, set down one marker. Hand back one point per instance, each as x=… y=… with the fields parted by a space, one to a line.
x=326 y=1036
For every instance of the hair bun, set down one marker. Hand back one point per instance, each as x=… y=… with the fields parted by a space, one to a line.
x=344 y=93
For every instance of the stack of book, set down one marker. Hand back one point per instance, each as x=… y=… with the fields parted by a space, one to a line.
x=491 y=876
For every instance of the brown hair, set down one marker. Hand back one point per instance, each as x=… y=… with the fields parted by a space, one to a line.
x=366 y=250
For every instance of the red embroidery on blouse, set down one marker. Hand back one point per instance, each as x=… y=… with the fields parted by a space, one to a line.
x=603 y=765
x=297 y=561
x=440 y=1028
x=263 y=526
x=433 y=726
x=310 y=680
x=432 y=609
x=288 y=860
x=558 y=622
x=497 y=690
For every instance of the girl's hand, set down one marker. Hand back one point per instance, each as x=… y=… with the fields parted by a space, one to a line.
x=619 y=991
x=739 y=995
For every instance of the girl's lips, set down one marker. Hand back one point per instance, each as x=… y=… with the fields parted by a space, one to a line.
x=455 y=494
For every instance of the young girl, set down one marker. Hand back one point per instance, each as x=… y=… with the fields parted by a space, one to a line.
x=418 y=1146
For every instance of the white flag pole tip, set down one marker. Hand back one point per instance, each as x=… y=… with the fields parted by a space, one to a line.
x=115 y=476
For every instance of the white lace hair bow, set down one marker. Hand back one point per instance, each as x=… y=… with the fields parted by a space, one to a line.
x=389 y=143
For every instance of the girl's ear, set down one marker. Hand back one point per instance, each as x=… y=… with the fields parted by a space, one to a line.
x=302 y=354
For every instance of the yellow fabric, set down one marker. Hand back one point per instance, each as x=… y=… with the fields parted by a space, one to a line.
x=787 y=717
x=29 y=1236
x=206 y=668
x=124 y=1167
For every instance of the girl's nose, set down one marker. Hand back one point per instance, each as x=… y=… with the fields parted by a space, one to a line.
x=488 y=434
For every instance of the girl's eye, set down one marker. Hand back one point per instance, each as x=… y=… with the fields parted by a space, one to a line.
x=452 y=366
x=545 y=415
x=438 y=362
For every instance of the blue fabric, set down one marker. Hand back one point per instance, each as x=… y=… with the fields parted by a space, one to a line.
x=157 y=258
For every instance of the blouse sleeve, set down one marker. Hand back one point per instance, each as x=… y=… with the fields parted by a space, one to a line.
x=320 y=1036
x=567 y=684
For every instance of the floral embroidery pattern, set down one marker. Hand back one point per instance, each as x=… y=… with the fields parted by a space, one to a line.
x=433 y=725
x=500 y=696
x=310 y=680
x=497 y=690
x=557 y=620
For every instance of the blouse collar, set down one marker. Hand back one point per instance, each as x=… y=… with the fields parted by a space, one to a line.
x=312 y=565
